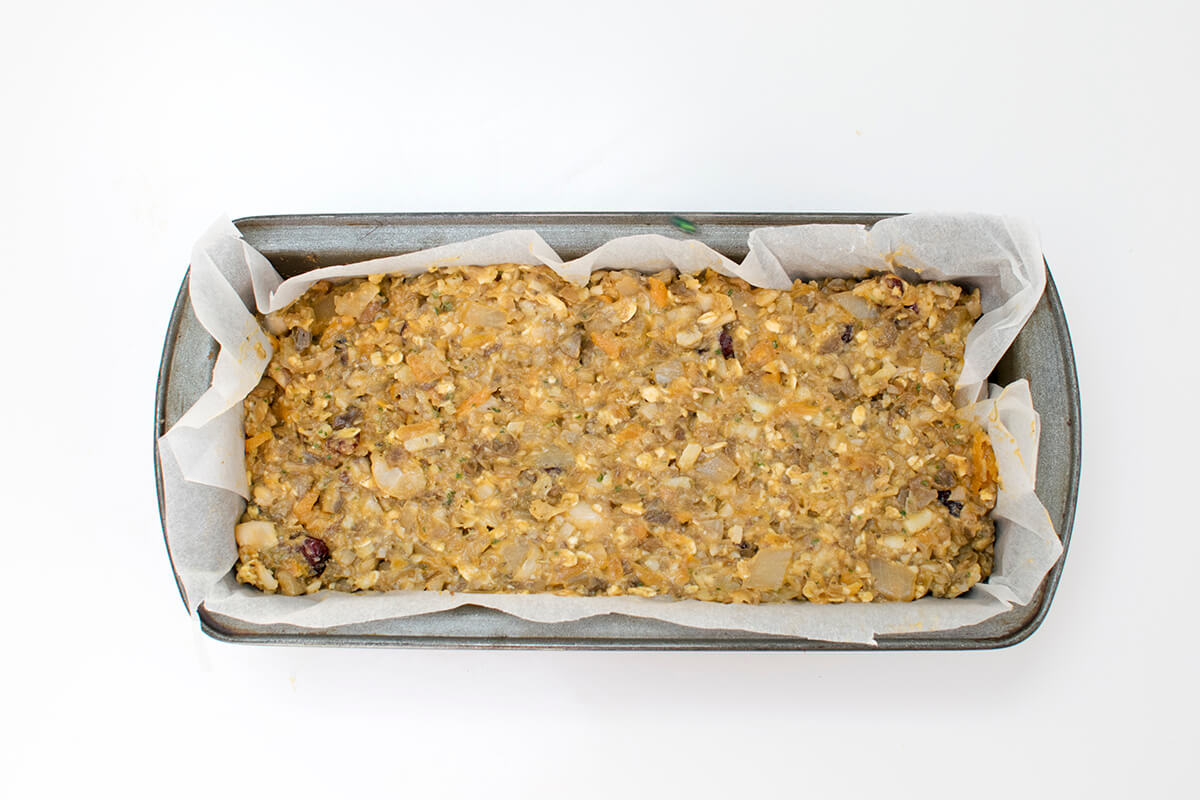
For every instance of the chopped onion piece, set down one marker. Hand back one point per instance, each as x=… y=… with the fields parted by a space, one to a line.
x=893 y=581
x=933 y=361
x=860 y=308
x=354 y=302
x=666 y=372
x=484 y=317
x=403 y=482
x=716 y=468
x=919 y=521
x=768 y=568
x=583 y=514
x=555 y=458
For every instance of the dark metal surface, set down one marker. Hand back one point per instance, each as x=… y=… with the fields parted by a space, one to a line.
x=294 y=244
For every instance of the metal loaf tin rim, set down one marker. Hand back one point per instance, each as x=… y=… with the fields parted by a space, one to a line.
x=229 y=630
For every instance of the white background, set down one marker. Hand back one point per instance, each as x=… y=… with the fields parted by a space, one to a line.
x=126 y=128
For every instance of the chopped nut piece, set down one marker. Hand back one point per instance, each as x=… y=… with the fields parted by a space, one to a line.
x=919 y=521
x=859 y=416
x=687 y=459
x=423 y=441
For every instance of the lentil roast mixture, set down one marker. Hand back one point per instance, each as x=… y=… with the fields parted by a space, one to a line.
x=497 y=429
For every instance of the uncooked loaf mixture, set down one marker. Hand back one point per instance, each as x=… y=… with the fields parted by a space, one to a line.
x=498 y=429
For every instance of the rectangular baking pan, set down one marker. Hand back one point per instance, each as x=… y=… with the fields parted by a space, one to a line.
x=295 y=244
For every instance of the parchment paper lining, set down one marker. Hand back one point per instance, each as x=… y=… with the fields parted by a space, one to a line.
x=202 y=455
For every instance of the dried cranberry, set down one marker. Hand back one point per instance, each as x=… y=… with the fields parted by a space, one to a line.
x=315 y=553
x=726 y=342
x=848 y=334
x=954 y=507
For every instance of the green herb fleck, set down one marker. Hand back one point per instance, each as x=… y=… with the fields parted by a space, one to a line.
x=458 y=476
x=685 y=225
x=600 y=477
x=449 y=498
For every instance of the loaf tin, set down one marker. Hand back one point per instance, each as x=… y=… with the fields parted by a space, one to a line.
x=295 y=244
